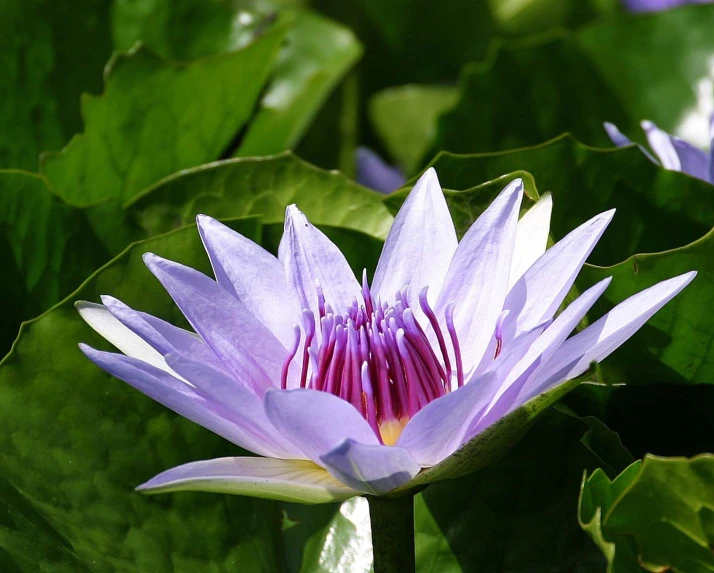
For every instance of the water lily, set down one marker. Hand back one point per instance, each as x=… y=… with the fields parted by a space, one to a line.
x=658 y=5
x=345 y=387
x=672 y=152
x=375 y=173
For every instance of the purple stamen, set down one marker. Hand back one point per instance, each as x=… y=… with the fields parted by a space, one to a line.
x=449 y=315
x=424 y=304
x=289 y=358
x=376 y=356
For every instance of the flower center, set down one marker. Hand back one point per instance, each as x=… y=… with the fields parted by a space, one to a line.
x=378 y=357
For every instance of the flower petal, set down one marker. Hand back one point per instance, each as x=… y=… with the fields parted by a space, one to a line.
x=477 y=279
x=374 y=173
x=539 y=292
x=284 y=480
x=605 y=335
x=531 y=237
x=316 y=422
x=438 y=429
x=675 y=153
x=176 y=395
x=310 y=258
x=241 y=341
x=616 y=136
x=252 y=275
x=419 y=246
x=370 y=469
x=247 y=408
x=164 y=337
x=103 y=322
x=622 y=140
x=539 y=353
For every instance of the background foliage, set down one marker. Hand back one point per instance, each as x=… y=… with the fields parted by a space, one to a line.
x=120 y=120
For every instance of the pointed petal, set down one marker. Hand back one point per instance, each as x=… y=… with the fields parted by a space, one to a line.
x=675 y=153
x=175 y=395
x=370 y=469
x=247 y=408
x=602 y=337
x=316 y=422
x=420 y=244
x=531 y=237
x=284 y=480
x=104 y=323
x=162 y=336
x=539 y=353
x=252 y=275
x=539 y=292
x=617 y=137
x=661 y=144
x=622 y=141
x=374 y=173
x=240 y=340
x=477 y=279
x=310 y=258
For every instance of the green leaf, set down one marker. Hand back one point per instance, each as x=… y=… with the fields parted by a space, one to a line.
x=75 y=442
x=529 y=92
x=586 y=181
x=658 y=514
x=518 y=515
x=405 y=119
x=51 y=51
x=265 y=186
x=317 y=55
x=186 y=30
x=157 y=117
x=47 y=248
x=674 y=346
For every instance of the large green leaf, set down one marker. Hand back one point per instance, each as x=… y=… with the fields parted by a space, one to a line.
x=676 y=344
x=156 y=117
x=239 y=187
x=518 y=514
x=50 y=52
x=586 y=181
x=529 y=92
x=658 y=515
x=47 y=248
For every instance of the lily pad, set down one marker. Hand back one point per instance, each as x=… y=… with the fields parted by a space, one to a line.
x=240 y=187
x=657 y=515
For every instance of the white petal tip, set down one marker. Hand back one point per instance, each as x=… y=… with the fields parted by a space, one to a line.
x=647 y=125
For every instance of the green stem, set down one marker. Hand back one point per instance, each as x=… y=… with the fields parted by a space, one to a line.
x=393 y=534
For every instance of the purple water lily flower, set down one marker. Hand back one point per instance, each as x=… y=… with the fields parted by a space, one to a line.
x=672 y=152
x=346 y=388
x=658 y=5
x=374 y=173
